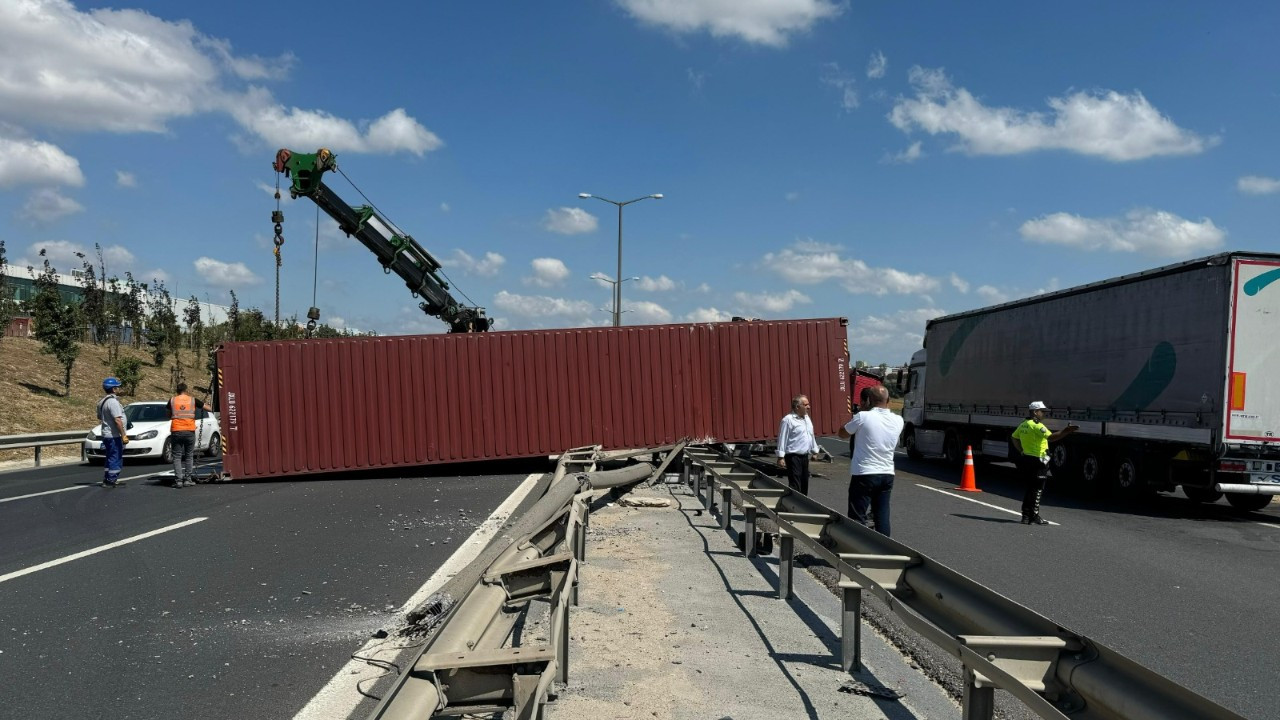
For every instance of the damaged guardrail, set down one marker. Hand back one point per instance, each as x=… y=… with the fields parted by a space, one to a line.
x=476 y=662
x=1056 y=673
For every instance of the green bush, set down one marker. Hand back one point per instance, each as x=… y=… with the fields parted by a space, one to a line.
x=129 y=371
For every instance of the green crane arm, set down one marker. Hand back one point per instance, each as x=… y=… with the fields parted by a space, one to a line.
x=396 y=253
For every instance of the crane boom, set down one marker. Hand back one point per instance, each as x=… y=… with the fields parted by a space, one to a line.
x=396 y=253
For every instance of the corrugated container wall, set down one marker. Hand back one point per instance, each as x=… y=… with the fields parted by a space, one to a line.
x=314 y=406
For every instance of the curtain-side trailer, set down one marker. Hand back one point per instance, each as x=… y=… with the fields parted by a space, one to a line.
x=1172 y=374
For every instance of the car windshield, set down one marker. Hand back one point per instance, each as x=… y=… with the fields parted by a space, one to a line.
x=146 y=412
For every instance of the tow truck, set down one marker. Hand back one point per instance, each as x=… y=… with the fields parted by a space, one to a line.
x=396 y=251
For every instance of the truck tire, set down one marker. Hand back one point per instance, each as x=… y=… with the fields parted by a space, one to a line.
x=1061 y=458
x=1201 y=494
x=909 y=442
x=1128 y=479
x=951 y=449
x=1248 y=503
x=1092 y=468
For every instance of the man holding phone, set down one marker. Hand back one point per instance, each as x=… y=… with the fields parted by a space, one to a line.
x=1031 y=440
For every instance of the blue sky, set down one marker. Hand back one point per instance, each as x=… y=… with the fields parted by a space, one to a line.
x=887 y=162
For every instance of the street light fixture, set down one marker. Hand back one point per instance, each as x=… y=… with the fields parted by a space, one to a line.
x=617 y=286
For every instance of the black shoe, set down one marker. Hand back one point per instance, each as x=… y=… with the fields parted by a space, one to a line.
x=1037 y=520
x=1026 y=520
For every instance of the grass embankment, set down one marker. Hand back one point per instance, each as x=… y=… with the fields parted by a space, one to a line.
x=31 y=399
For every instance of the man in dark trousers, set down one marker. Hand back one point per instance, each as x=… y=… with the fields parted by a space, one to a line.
x=114 y=432
x=1031 y=440
x=796 y=444
x=875 y=431
x=182 y=435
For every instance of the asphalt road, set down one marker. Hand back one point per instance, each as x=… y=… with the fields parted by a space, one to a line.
x=245 y=611
x=1184 y=589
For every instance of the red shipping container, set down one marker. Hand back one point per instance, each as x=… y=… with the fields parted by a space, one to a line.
x=863 y=379
x=314 y=406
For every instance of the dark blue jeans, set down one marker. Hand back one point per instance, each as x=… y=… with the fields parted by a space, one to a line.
x=114 y=449
x=871 y=492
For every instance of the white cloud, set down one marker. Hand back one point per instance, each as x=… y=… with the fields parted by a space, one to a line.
x=224 y=274
x=1258 y=185
x=708 y=315
x=32 y=162
x=279 y=126
x=844 y=83
x=771 y=303
x=156 y=275
x=645 y=312
x=485 y=267
x=905 y=157
x=892 y=337
x=47 y=205
x=1106 y=124
x=270 y=190
x=65 y=257
x=569 y=221
x=762 y=22
x=704 y=288
x=130 y=71
x=126 y=179
x=444 y=207
x=992 y=295
x=959 y=283
x=541 y=306
x=808 y=263
x=547 y=272
x=877 y=65
x=1143 y=230
x=696 y=79
x=662 y=283
x=792 y=196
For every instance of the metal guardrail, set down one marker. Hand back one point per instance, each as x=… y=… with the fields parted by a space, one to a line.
x=1056 y=673
x=474 y=663
x=40 y=440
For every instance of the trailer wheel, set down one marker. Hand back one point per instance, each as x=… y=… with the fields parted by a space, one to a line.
x=1248 y=503
x=1201 y=494
x=951 y=449
x=909 y=442
x=1060 y=457
x=1091 y=471
x=1127 y=479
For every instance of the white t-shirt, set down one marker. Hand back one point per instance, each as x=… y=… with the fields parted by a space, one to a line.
x=876 y=432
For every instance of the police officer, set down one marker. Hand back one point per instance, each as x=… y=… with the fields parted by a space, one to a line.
x=1031 y=440
x=182 y=436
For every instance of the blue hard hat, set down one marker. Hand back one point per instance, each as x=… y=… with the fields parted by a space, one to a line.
x=110 y=383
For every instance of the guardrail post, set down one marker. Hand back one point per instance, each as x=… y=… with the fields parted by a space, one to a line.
x=697 y=485
x=726 y=512
x=711 y=494
x=749 y=529
x=579 y=550
x=786 y=562
x=684 y=470
x=562 y=649
x=38 y=449
x=979 y=703
x=850 y=626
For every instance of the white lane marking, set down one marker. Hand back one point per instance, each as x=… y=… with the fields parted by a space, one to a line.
x=46 y=492
x=95 y=551
x=961 y=497
x=339 y=697
x=1277 y=527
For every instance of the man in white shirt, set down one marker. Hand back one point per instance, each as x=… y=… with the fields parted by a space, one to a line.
x=796 y=444
x=875 y=431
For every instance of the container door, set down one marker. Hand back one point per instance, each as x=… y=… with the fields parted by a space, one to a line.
x=1253 y=361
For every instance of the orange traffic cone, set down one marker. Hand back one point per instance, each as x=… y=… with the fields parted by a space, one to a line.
x=968 y=482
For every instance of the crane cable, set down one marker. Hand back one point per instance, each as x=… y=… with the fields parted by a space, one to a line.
x=402 y=233
x=277 y=217
x=314 y=313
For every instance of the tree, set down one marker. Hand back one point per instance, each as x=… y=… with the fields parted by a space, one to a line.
x=57 y=323
x=8 y=308
x=114 y=317
x=195 y=325
x=163 y=333
x=93 y=305
x=132 y=307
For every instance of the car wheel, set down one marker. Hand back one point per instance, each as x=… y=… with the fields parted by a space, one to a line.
x=166 y=455
x=1248 y=503
x=215 y=447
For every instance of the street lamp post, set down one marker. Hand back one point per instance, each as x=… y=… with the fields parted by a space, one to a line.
x=614 y=292
x=617 y=286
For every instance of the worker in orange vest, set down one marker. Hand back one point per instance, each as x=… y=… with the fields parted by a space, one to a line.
x=182 y=436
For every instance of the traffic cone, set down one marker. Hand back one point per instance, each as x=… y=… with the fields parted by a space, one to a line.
x=968 y=482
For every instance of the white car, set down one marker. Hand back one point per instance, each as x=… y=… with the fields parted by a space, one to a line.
x=148 y=424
